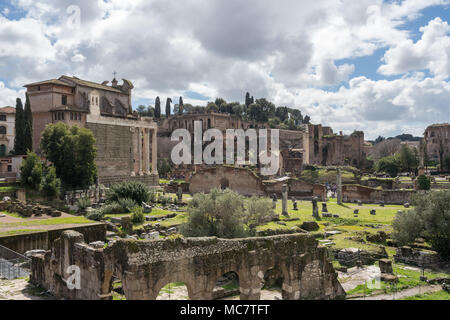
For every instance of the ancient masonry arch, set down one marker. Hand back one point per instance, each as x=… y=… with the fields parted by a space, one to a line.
x=146 y=266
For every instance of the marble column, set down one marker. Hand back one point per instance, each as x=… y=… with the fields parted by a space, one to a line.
x=135 y=151
x=146 y=151
x=154 y=151
x=284 y=211
x=140 y=150
x=339 y=186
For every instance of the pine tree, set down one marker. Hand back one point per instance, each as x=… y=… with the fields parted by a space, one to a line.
x=19 y=146
x=28 y=126
x=168 y=101
x=157 y=108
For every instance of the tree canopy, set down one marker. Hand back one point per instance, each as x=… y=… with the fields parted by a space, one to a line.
x=72 y=151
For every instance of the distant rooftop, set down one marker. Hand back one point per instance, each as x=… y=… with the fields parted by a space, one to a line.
x=8 y=109
x=72 y=81
x=439 y=125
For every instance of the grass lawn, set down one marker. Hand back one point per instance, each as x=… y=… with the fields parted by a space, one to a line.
x=7 y=189
x=50 y=221
x=406 y=279
x=439 y=295
x=18 y=231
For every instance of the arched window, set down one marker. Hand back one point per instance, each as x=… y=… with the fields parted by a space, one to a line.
x=2 y=130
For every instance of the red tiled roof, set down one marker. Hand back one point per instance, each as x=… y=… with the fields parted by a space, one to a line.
x=8 y=109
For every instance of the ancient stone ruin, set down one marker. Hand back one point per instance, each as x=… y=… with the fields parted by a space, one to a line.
x=144 y=267
x=29 y=209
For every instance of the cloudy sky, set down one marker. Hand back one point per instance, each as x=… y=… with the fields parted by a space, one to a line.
x=378 y=66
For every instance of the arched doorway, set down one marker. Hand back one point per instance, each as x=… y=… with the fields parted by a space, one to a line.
x=174 y=291
x=227 y=287
x=224 y=184
x=271 y=284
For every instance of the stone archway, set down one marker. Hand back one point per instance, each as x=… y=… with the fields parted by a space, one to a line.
x=224 y=184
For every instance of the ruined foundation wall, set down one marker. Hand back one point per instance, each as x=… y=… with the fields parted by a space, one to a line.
x=44 y=239
x=352 y=193
x=144 y=267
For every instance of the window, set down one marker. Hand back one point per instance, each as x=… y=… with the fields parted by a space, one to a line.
x=39 y=88
x=2 y=117
x=9 y=168
x=2 y=130
x=71 y=116
x=64 y=100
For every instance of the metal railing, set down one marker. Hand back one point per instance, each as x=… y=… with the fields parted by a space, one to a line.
x=13 y=265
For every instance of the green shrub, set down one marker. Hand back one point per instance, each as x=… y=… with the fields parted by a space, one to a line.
x=136 y=191
x=95 y=215
x=430 y=219
x=112 y=208
x=164 y=200
x=31 y=171
x=219 y=213
x=50 y=184
x=127 y=204
x=258 y=211
x=83 y=203
x=152 y=197
x=424 y=182
x=137 y=215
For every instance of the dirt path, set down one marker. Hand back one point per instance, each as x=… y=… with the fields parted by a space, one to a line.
x=403 y=294
x=21 y=289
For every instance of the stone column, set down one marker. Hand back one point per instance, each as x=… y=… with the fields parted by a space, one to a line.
x=284 y=211
x=315 y=207
x=134 y=151
x=146 y=151
x=140 y=150
x=339 y=186
x=155 y=151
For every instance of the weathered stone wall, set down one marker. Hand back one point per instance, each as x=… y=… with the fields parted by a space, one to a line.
x=298 y=189
x=44 y=239
x=50 y=270
x=387 y=184
x=144 y=267
x=420 y=258
x=114 y=149
x=240 y=180
x=352 y=193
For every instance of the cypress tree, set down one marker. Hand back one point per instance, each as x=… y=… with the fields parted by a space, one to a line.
x=180 y=106
x=168 y=101
x=28 y=126
x=247 y=100
x=19 y=146
x=157 y=108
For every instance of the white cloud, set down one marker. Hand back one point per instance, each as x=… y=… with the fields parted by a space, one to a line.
x=8 y=96
x=431 y=52
x=286 y=51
